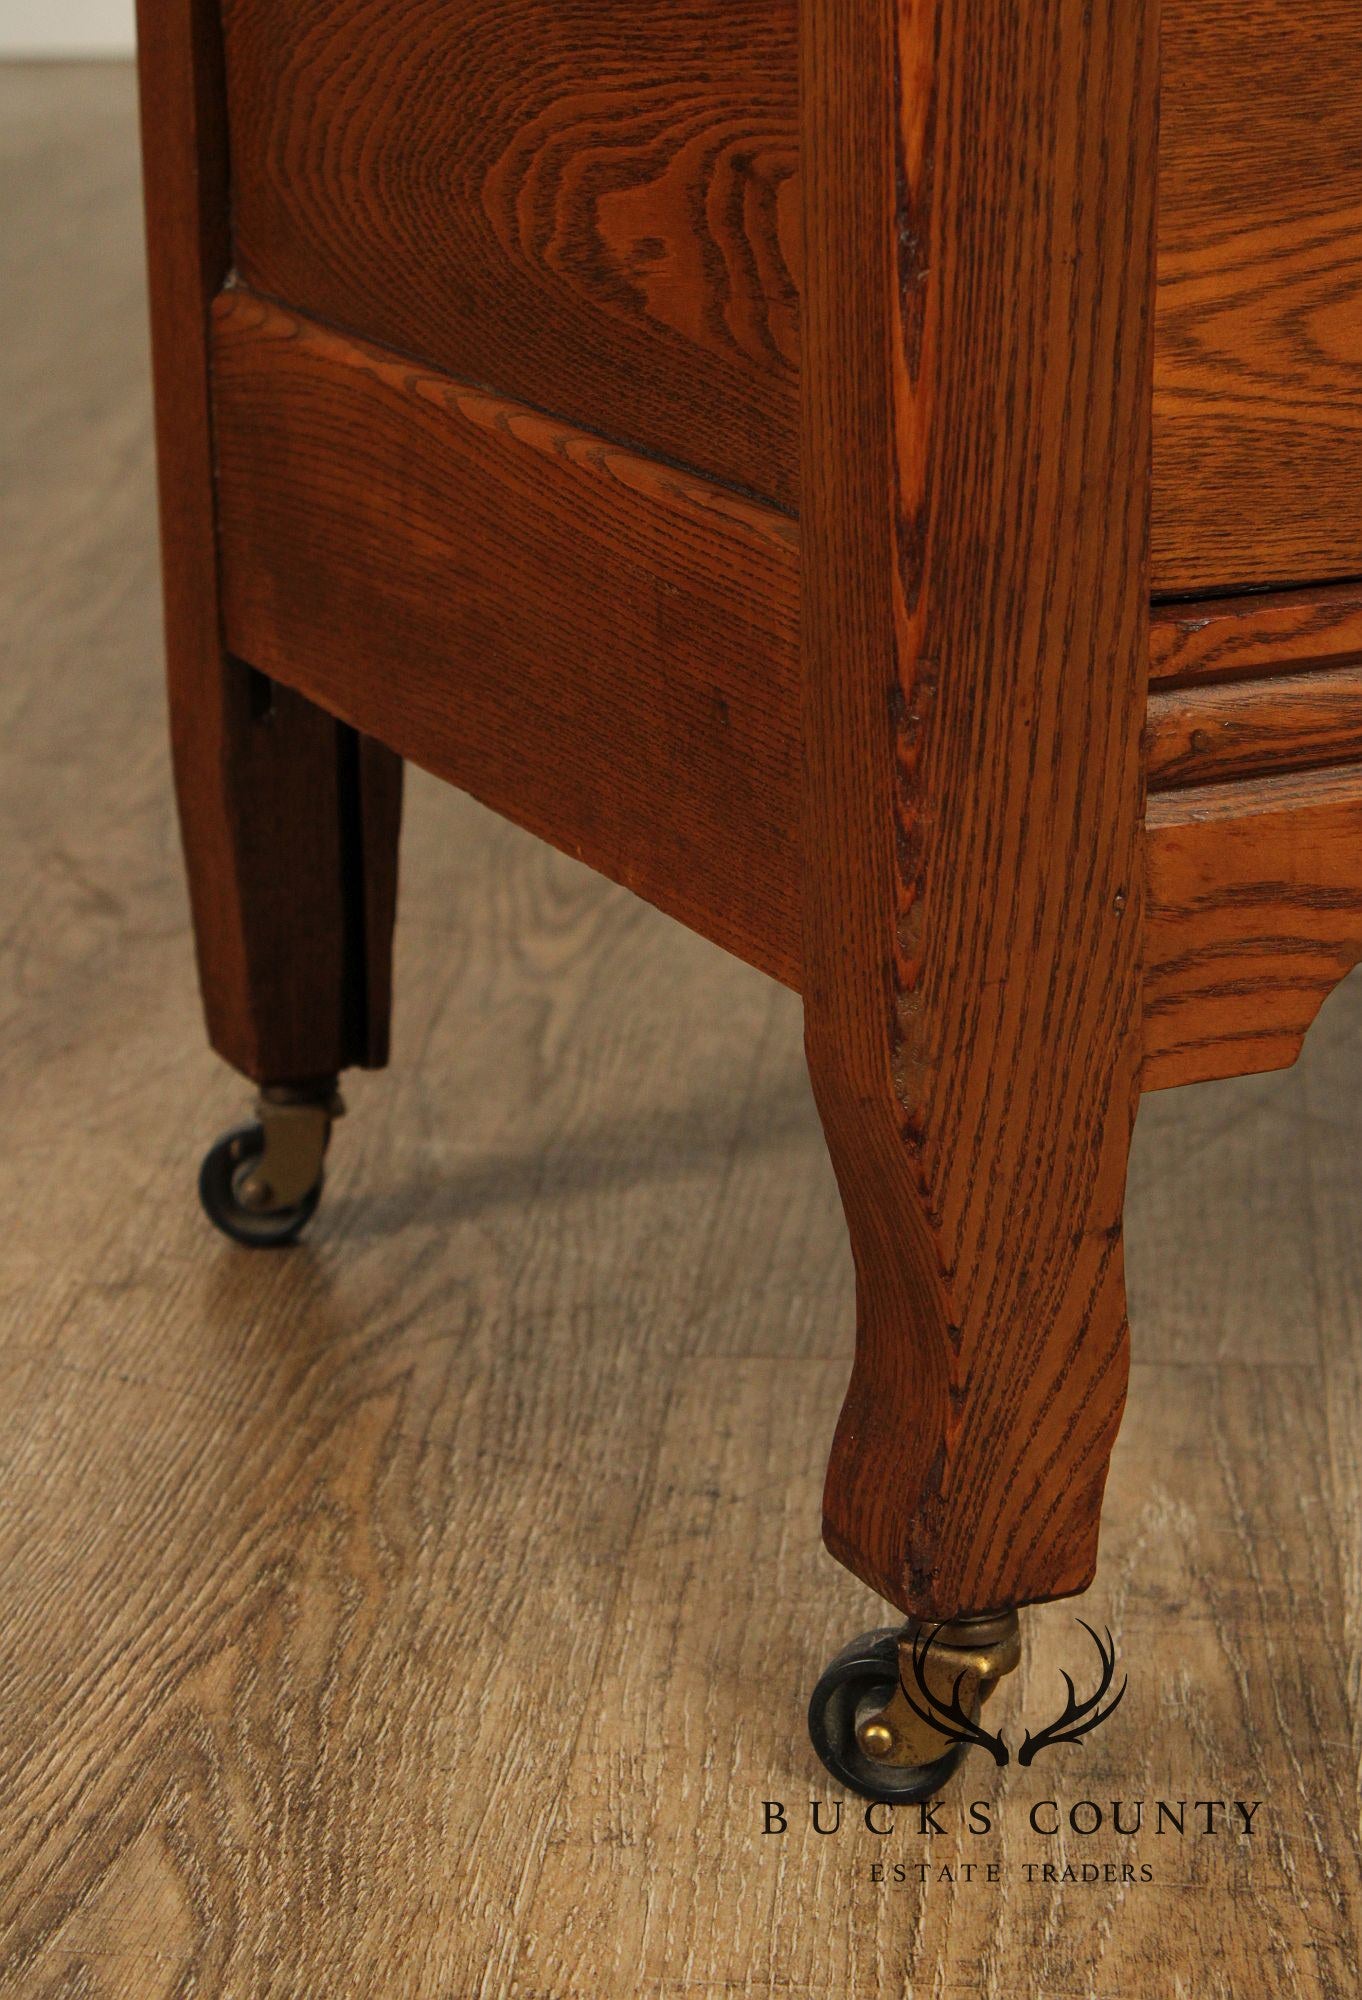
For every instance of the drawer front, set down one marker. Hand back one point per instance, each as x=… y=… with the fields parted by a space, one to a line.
x=1258 y=355
x=592 y=206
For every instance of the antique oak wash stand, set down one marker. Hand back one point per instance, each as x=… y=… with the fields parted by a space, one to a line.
x=767 y=448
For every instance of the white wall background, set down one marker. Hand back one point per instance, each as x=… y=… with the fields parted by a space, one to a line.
x=66 y=27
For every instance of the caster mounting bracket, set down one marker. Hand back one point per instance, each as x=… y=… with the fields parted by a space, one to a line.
x=296 y=1127
x=942 y=1668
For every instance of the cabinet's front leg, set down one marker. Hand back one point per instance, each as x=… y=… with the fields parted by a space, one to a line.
x=991 y=1347
x=978 y=185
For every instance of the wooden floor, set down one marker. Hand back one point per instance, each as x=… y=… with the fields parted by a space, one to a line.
x=428 y=1611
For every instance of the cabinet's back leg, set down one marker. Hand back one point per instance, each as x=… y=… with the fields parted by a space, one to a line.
x=289 y=818
x=290 y=823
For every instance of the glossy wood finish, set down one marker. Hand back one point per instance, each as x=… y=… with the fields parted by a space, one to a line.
x=611 y=234
x=956 y=887
x=425 y=1614
x=600 y=647
x=585 y=205
x=973 y=886
x=1258 y=362
x=289 y=825
x=1255 y=876
x=657 y=728
x=1284 y=631
x=1255 y=914
x=1237 y=729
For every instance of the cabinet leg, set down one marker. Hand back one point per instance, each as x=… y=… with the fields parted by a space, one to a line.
x=991 y=1357
x=974 y=575
x=971 y=1453
x=290 y=825
x=290 y=822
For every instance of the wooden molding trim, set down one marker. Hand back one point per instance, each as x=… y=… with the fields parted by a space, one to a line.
x=1254 y=915
x=1202 y=732
x=1242 y=638
x=1252 y=686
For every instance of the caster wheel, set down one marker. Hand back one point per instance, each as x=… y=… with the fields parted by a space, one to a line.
x=861 y=1680
x=225 y=1189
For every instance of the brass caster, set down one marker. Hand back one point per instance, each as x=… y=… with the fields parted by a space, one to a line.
x=894 y=1712
x=260 y=1184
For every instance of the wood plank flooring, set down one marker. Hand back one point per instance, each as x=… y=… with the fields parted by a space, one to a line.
x=428 y=1612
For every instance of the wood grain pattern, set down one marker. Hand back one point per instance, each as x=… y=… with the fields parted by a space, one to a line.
x=1270 y=632
x=433 y=1607
x=277 y=838
x=1255 y=888
x=351 y=575
x=974 y=694
x=1254 y=915
x=611 y=233
x=671 y=758
x=1235 y=729
x=1258 y=361
x=589 y=208
x=600 y=647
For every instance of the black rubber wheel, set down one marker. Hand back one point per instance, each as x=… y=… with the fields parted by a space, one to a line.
x=225 y=1166
x=869 y=1665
